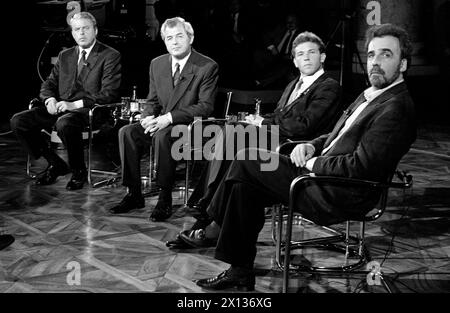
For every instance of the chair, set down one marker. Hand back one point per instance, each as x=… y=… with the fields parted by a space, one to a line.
x=88 y=134
x=338 y=241
x=192 y=150
x=244 y=98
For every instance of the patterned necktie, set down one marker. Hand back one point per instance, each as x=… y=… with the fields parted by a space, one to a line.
x=82 y=62
x=296 y=92
x=176 y=75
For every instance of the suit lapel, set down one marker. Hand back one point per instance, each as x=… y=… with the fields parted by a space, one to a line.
x=380 y=100
x=285 y=96
x=72 y=66
x=91 y=61
x=187 y=75
x=343 y=118
x=304 y=93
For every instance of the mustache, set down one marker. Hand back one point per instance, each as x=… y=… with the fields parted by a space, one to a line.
x=377 y=70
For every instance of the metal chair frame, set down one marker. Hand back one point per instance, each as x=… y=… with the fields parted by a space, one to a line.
x=353 y=246
x=90 y=132
x=188 y=145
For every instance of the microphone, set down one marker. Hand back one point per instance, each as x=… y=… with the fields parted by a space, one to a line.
x=348 y=112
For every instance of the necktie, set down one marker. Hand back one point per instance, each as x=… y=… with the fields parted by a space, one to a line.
x=82 y=62
x=283 y=46
x=176 y=75
x=296 y=92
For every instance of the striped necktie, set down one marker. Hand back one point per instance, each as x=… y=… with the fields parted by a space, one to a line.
x=81 y=63
x=176 y=75
x=296 y=92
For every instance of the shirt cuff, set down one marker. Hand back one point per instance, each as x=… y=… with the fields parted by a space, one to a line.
x=48 y=100
x=169 y=117
x=79 y=103
x=310 y=163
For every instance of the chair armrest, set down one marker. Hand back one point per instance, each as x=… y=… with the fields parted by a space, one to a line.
x=105 y=106
x=207 y=121
x=344 y=181
x=35 y=102
x=302 y=180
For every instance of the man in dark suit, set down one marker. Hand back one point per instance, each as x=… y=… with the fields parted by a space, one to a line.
x=272 y=62
x=183 y=85
x=308 y=108
x=367 y=143
x=84 y=75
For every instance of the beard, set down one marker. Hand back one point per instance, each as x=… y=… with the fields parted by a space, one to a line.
x=380 y=80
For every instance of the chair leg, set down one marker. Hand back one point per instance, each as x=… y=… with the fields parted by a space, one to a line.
x=361 y=238
x=186 y=184
x=347 y=241
x=89 y=156
x=287 y=250
x=279 y=243
x=28 y=167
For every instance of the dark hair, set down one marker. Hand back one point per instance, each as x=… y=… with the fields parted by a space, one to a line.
x=308 y=37
x=395 y=31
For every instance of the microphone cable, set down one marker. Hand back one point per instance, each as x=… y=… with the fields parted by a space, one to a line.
x=40 y=56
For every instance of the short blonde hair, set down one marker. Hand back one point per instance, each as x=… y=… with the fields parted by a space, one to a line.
x=84 y=15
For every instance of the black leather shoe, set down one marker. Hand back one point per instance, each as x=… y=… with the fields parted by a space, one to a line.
x=50 y=175
x=230 y=279
x=129 y=202
x=162 y=211
x=79 y=177
x=5 y=241
x=177 y=243
x=197 y=238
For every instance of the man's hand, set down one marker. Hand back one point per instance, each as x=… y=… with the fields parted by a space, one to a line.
x=254 y=119
x=145 y=122
x=156 y=124
x=302 y=153
x=51 y=106
x=63 y=106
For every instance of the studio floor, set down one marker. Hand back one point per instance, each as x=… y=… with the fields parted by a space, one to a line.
x=69 y=242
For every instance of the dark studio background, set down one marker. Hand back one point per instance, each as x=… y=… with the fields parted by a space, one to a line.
x=29 y=26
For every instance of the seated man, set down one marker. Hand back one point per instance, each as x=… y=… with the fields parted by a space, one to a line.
x=84 y=75
x=366 y=143
x=272 y=64
x=183 y=85
x=307 y=108
x=5 y=241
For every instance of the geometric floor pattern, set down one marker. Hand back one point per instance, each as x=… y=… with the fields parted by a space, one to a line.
x=68 y=242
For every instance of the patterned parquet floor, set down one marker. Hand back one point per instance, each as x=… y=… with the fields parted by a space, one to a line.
x=68 y=242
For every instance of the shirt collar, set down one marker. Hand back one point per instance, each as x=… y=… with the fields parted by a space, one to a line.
x=309 y=80
x=88 y=50
x=182 y=62
x=371 y=93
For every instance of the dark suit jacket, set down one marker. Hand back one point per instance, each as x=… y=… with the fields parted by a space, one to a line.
x=370 y=149
x=194 y=95
x=98 y=83
x=312 y=114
